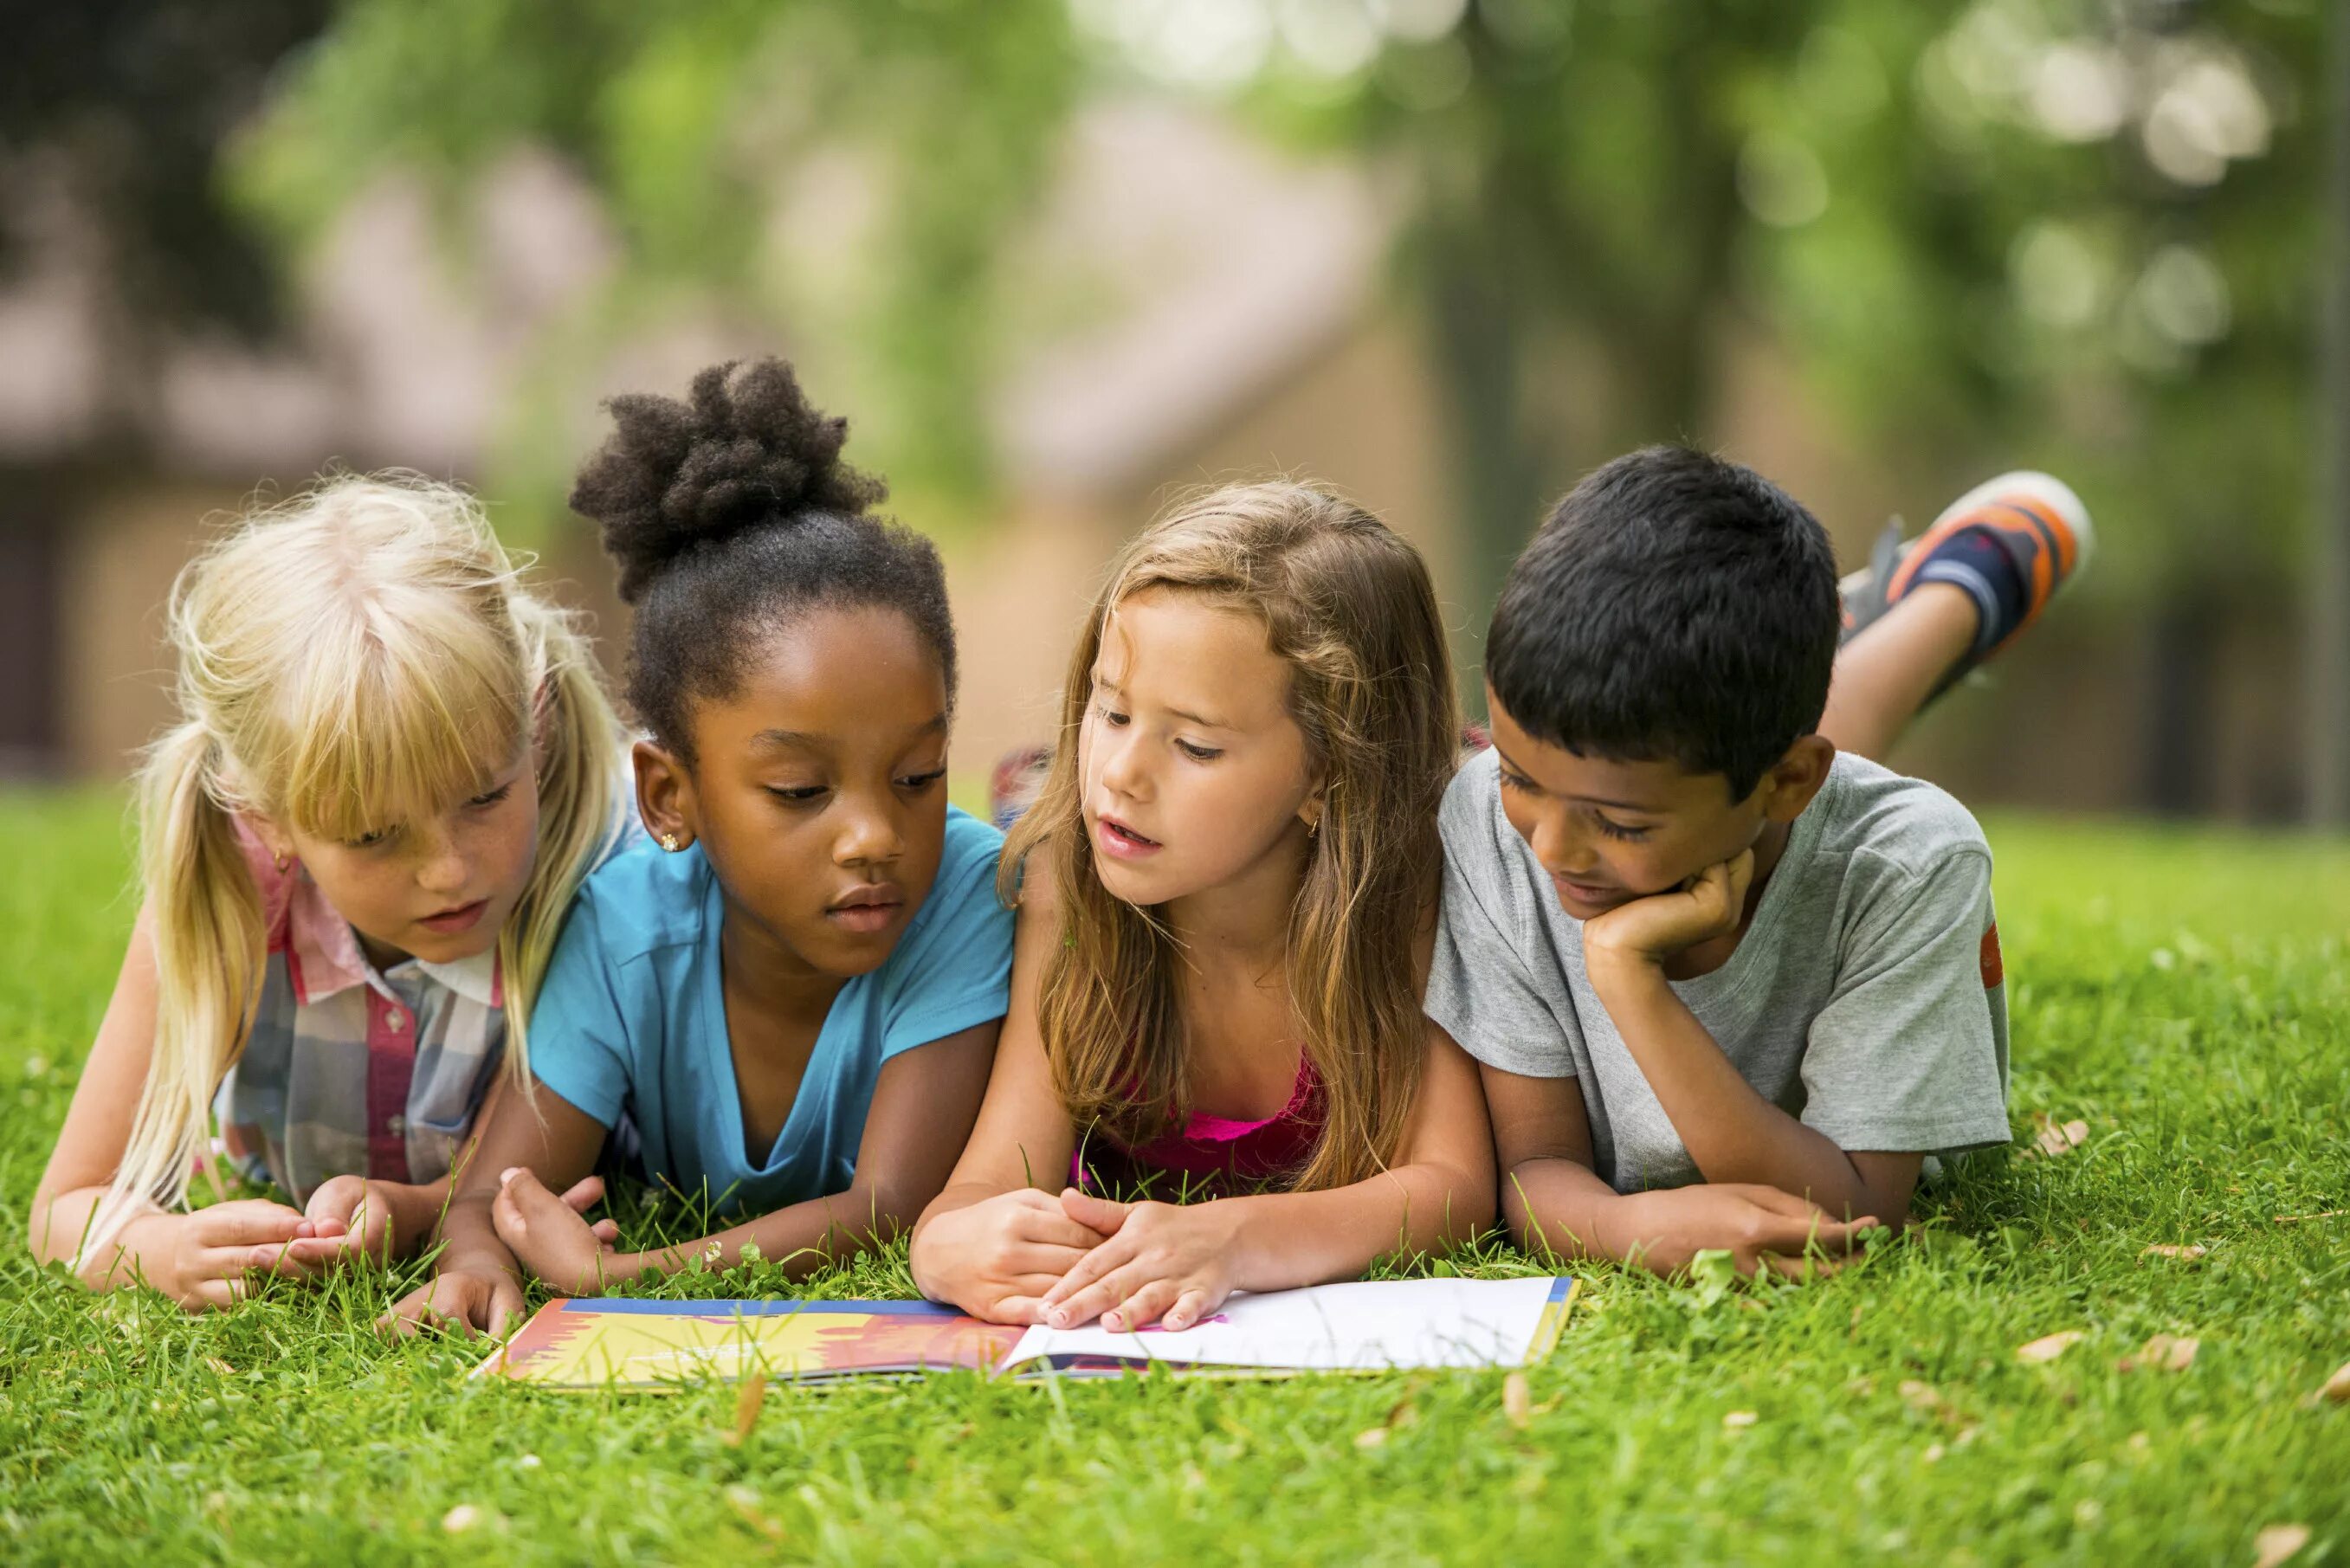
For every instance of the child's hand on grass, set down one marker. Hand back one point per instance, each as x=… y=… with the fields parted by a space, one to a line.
x=459 y=1301
x=1652 y=930
x=1760 y=1227
x=210 y=1259
x=996 y=1259
x=552 y=1238
x=1163 y=1263
x=351 y=1221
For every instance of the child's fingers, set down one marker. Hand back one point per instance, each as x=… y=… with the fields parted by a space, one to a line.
x=296 y=1260
x=1803 y=1269
x=336 y=1201
x=1051 y=1228
x=1021 y=1309
x=1779 y=1202
x=1189 y=1308
x=233 y=1224
x=1050 y=1264
x=605 y=1231
x=1096 y=1265
x=507 y=1219
x=1143 y=1308
x=584 y=1194
x=1097 y=1214
x=217 y=1294
x=1084 y=1306
x=1835 y=1236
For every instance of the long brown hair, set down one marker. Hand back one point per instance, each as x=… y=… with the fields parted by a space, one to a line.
x=1347 y=606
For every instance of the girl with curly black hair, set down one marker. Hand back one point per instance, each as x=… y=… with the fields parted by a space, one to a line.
x=792 y=994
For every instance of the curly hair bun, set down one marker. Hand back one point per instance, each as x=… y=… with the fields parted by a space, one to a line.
x=745 y=451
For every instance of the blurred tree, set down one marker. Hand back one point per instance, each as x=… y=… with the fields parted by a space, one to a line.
x=2074 y=233
x=112 y=115
x=706 y=128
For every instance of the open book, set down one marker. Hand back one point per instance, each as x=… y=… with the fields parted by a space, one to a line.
x=1392 y=1324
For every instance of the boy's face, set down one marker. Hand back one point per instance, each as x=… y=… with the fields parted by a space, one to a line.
x=1609 y=831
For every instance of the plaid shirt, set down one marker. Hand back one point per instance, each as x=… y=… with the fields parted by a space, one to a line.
x=352 y=1069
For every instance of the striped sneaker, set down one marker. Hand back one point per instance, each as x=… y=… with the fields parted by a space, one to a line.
x=2011 y=542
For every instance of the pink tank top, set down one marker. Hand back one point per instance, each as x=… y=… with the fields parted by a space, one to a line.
x=1212 y=1157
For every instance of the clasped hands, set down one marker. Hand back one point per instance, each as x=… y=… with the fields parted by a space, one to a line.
x=1030 y=1257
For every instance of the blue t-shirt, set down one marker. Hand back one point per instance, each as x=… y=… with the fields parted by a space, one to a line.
x=632 y=1019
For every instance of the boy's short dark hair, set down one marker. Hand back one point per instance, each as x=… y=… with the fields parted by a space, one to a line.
x=1673 y=606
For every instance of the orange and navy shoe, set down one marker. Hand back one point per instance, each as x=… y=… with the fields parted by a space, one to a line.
x=2011 y=542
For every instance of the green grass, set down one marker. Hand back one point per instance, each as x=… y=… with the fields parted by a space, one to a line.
x=2187 y=994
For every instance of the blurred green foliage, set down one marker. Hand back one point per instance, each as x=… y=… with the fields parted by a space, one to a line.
x=2078 y=234
x=2073 y=233
x=699 y=125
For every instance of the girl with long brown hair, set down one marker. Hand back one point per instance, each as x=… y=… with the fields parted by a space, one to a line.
x=1227 y=894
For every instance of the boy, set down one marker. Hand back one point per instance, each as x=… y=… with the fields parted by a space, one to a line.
x=1729 y=988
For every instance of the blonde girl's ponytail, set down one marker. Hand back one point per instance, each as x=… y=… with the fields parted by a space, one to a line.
x=362 y=656
x=578 y=783
x=208 y=956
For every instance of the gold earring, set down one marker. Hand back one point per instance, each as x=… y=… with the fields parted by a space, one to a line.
x=283 y=862
x=669 y=842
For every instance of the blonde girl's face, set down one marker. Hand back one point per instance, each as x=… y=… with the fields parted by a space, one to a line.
x=439 y=888
x=1194 y=774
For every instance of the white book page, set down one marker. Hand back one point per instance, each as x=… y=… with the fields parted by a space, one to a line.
x=1392 y=1323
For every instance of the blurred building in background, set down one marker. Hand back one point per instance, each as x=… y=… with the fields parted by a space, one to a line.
x=1197 y=300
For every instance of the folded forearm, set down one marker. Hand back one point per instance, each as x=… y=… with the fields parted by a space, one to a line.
x=416 y=1213
x=1562 y=1205
x=1732 y=1132
x=1290 y=1239
x=471 y=1235
x=801 y=1239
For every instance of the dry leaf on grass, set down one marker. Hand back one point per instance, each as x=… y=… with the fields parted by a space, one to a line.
x=2054 y=1139
x=2184 y=1252
x=219 y=1367
x=2164 y=1352
x=2302 y=1219
x=1401 y=1413
x=2338 y=1387
x=1518 y=1400
x=1739 y=1420
x=1919 y=1396
x=745 y=1504
x=2048 y=1347
x=746 y=1408
x=2277 y=1542
x=461 y=1518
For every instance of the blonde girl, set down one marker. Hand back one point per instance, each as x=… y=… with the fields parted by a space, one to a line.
x=391 y=768
x=1227 y=897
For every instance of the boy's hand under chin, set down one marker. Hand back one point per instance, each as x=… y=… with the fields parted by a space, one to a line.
x=1646 y=932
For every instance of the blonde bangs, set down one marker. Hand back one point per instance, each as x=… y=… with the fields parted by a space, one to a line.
x=386 y=729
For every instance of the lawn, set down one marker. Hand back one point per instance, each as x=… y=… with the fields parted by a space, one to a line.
x=2185 y=994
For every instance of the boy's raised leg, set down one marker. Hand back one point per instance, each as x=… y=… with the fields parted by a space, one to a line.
x=1924 y=615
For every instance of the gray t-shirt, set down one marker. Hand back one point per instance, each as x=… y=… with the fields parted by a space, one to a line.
x=1866 y=998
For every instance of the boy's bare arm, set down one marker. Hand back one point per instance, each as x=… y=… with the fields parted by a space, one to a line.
x=1732 y=1132
x=1553 y=1198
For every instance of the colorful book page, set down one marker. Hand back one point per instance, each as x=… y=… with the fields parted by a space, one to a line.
x=625 y=1342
